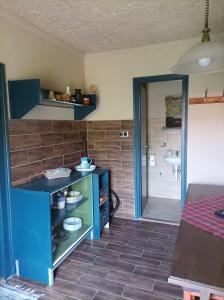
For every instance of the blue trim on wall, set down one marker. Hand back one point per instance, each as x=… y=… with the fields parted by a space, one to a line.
x=137 y=82
x=6 y=255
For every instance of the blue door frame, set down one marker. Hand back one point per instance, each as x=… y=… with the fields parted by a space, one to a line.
x=6 y=261
x=137 y=82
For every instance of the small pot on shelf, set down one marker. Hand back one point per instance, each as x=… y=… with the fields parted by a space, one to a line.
x=86 y=101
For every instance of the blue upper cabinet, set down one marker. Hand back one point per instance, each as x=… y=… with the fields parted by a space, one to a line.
x=24 y=95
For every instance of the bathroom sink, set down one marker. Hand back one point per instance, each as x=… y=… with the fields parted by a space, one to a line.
x=174 y=161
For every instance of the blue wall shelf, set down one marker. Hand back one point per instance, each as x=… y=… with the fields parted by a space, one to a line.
x=24 y=95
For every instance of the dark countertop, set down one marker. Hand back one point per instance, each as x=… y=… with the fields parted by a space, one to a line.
x=199 y=255
x=50 y=186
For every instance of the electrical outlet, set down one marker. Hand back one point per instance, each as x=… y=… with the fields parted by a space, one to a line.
x=123 y=134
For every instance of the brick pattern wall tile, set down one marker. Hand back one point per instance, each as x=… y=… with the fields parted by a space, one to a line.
x=111 y=151
x=21 y=156
x=37 y=145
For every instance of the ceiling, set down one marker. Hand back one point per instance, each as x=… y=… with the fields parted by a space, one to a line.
x=103 y=25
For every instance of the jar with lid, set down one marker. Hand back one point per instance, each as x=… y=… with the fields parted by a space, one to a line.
x=78 y=96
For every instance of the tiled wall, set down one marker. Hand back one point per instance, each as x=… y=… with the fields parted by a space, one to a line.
x=37 y=145
x=162 y=182
x=111 y=151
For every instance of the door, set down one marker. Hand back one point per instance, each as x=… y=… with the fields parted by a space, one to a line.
x=6 y=268
x=144 y=144
x=140 y=154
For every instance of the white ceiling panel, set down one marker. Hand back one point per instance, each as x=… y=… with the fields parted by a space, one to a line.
x=103 y=25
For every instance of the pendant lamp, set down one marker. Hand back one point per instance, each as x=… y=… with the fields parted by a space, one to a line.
x=206 y=57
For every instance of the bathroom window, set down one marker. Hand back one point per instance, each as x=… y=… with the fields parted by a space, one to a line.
x=173 y=111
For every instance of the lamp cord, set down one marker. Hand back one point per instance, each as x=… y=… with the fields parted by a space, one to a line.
x=206 y=30
x=206 y=13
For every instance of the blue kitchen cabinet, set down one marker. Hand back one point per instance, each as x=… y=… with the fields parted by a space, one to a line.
x=101 y=201
x=36 y=222
x=24 y=95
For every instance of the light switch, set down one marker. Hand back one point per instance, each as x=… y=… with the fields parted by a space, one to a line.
x=123 y=134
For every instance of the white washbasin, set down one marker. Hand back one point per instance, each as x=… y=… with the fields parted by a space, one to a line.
x=174 y=161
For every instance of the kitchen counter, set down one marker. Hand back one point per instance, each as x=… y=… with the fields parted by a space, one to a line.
x=42 y=184
x=199 y=255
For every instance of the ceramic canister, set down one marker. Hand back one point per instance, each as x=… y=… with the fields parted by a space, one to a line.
x=60 y=202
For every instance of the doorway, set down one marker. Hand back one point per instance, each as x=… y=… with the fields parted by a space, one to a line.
x=160 y=116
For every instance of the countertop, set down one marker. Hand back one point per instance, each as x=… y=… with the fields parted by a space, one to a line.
x=199 y=255
x=50 y=186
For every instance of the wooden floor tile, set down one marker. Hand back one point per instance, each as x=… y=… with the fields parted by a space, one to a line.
x=131 y=261
x=102 y=284
x=114 y=264
x=132 y=279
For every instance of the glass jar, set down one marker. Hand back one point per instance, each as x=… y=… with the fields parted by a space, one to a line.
x=78 y=96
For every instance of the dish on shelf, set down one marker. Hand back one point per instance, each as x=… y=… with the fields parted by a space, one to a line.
x=81 y=169
x=74 y=193
x=57 y=173
x=72 y=224
x=73 y=199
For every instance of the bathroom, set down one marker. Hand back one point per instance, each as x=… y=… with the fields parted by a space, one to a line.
x=161 y=154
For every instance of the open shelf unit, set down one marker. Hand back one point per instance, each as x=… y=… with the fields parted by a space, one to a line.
x=101 y=201
x=40 y=241
x=65 y=246
x=58 y=215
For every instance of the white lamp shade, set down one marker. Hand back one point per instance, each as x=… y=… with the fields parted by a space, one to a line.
x=206 y=57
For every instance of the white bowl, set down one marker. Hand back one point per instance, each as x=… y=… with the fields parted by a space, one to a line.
x=72 y=224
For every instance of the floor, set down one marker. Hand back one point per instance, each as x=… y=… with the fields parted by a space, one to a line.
x=131 y=261
x=163 y=209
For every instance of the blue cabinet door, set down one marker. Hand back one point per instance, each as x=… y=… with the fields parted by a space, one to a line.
x=32 y=243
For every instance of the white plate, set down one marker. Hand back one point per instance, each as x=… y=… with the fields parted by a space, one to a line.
x=90 y=169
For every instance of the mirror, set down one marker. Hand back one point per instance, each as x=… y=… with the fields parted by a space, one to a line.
x=173 y=111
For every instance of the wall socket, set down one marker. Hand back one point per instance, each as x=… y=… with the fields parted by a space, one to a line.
x=123 y=134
